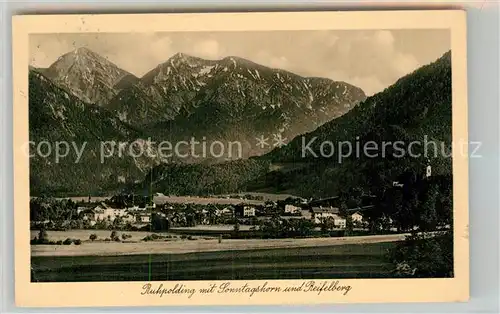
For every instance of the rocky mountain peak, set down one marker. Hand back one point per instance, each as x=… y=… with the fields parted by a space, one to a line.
x=87 y=75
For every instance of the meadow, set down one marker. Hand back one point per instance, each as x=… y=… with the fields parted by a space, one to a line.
x=365 y=260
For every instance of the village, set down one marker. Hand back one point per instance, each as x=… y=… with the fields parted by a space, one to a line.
x=160 y=214
x=274 y=214
x=190 y=215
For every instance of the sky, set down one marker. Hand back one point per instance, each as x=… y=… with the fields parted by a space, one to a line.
x=371 y=59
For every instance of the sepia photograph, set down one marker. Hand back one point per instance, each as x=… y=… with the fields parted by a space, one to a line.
x=317 y=155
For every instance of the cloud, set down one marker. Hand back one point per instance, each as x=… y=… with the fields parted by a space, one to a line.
x=369 y=59
x=136 y=53
x=270 y=60
x=208 y=49
x=369 y=84
x=404 y=63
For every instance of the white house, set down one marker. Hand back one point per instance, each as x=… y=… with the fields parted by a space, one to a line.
x=339 y=221
x=291 y=209
x=103 y=212
x=120 y=212
x=146 y=218
x=225 y=212
x=248 y=211
x=306 y=214
x=319 y=214
x=81 y=209
x=135 y=208
x=357 y=217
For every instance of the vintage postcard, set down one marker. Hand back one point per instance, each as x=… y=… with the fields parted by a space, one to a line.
x=240 y=158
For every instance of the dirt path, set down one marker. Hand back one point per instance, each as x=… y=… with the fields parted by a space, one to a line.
x=190 y=246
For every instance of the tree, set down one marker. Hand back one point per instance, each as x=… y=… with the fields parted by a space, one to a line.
x=236 y=227
x=42 y=235
x=118 y=222
x=428 y=215
x=343 y=209
x=424 y=255
x=349 y=226
x=327 y=224
x=159 y=223
x=305 y=227
x=211 y=211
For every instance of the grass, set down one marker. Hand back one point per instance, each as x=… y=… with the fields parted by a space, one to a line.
x=84 y=234
x=340 y=261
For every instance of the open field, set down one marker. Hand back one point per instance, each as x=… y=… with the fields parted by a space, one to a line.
x=320 y=262
x=178 y=246
x=204 y=200
x=85 y=198
x=180 y=199
x=211 y=228
x=222 y=199
x=265 y=196
x=83 y=234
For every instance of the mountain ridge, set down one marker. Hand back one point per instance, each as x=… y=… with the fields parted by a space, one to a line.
x=186 y=96
x=236 y=100
x=418 y=105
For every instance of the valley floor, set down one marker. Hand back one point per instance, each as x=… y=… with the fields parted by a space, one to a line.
x=178 y=246
x=233 y=260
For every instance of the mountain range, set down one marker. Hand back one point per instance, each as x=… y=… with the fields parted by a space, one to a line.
x=85 y=98
x=231 y=99
x=416 y=109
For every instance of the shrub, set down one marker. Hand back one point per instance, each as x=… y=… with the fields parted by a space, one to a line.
x=60 y=242
x=423 y=255
x=107 y=239
x=77 y=242
x=93 y=237
x=42 y=241
x=154 y=237
x=42 y=235
x=68 y=241
x=183 y=236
